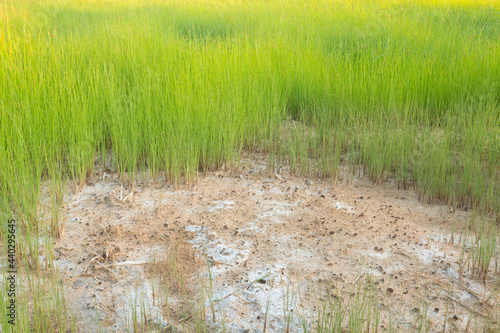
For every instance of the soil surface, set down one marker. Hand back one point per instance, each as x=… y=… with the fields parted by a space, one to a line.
x=302 y=235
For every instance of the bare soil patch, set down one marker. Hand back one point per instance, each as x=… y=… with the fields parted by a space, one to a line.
x=124 y=249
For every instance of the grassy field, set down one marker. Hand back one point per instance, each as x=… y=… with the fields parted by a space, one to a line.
x=404 y=90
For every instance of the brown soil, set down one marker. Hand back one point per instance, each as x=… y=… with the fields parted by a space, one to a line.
x=306 y=235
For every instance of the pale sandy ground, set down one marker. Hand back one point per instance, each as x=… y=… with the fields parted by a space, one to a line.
x=307 y=235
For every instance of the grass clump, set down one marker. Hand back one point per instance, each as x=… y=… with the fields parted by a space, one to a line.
x=409 y=89
x=402 y=89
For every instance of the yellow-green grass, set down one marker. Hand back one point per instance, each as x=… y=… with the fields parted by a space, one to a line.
x=403 y=89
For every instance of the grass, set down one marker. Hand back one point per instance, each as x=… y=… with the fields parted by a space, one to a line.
x=404 y=90
x=482 y=248
x=358 y=312
x=175 y=89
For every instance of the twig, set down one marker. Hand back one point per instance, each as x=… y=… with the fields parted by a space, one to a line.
x=356 y=279
x=125 y=263
x=244 y=300
x=404 y=253
x=58 y=250
x=302 y=278
x=88 y=248
x=466 y=288
x=97 y=256
x=218 y=262
x=103 y=267
x=165 y=241
x=463 y=305
x=307 y=200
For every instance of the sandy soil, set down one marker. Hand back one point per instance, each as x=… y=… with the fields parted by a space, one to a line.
x=304 y=235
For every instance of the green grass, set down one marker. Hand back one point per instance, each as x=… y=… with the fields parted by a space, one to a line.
x=411 y=90
x=405 y=89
